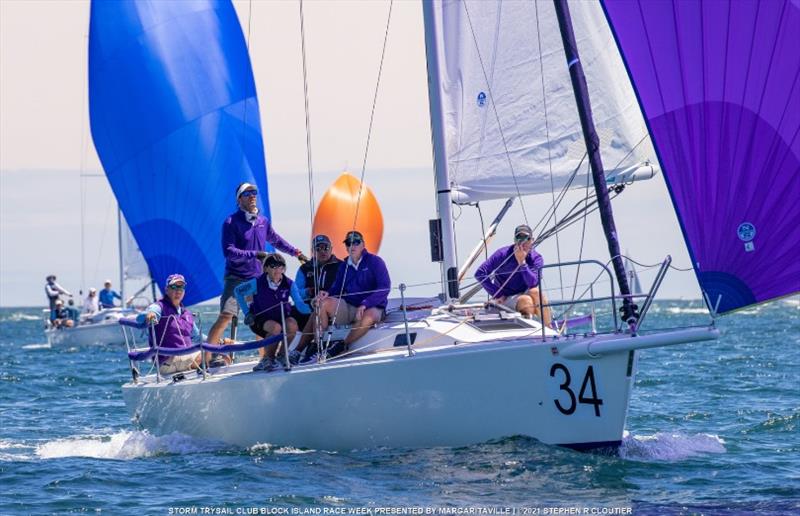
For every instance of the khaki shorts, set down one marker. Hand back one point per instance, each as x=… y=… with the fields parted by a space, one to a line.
x=511 y=301
x=179 y=363
x=346 y=313
x=228 y=303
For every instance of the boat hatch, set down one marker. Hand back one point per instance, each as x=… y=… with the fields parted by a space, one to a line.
x=487 y=324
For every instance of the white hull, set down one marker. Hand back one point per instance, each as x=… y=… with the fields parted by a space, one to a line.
x=449 y=395
x=106 y=331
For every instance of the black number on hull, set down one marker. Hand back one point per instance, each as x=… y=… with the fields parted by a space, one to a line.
x=594 y=400
x=564 y=387
x=588 y=381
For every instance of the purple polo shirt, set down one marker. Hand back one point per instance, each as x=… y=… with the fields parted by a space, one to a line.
x=242 y=240
x=501 y=270
x=367 y=285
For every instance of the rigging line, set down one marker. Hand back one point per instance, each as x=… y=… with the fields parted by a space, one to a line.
x=496 y=115
x=309 y=160
x=630 y=152
x=583 y=233
x=82 y=161
x=372 y=113
x=547 y=215
x=366 y=153
x=483 y=231
x=102 y=238
x=547 y=137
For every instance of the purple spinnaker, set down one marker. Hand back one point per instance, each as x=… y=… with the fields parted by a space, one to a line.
x=718 y=85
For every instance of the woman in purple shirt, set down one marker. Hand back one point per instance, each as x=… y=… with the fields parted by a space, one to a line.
x=271 y=308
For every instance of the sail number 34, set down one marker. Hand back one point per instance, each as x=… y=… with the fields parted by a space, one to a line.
x=588 y=384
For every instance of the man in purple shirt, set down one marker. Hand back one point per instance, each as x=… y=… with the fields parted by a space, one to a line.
x=511 y=276
x=244 y=236
x=359 y=293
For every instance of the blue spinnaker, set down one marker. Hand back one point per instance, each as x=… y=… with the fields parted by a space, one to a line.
x=175 y=121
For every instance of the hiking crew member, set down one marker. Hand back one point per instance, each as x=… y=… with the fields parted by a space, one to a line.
x=271 y=307
x=174 y=327
x=325 y=265
x=360 y=292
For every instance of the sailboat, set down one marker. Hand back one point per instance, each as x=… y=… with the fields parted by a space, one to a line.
x=102 y=328
x=719 y=118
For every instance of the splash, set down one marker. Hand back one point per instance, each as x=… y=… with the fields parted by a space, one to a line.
x=669 y=447
x=13 y=451
x=19 y=316
x=278 y=450
x=45 y=345
x=125 y=446
x=686 y=310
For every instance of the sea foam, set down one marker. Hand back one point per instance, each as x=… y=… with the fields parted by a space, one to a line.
x=125 y=446
x=669 y=447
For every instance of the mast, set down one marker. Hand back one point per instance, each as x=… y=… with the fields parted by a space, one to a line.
x=441 y=175
x=121 y=258
x=629 y=313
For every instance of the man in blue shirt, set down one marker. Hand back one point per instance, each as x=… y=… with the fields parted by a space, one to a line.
x=245 y=235
x=511 y=276
x=107 y=296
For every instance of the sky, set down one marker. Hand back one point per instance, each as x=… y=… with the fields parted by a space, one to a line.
x=57 y=213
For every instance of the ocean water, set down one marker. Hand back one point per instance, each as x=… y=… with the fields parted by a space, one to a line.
x=713 y=428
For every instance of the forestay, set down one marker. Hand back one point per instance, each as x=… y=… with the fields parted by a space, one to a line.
x=176 y=124
x=718 y=83
x=494 y=58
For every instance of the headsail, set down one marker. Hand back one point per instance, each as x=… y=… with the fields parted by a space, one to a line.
x=176 y=124
x=494 y=56
x=718 y=84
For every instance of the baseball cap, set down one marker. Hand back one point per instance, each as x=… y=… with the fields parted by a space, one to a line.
x=174 y=279
x=353 y=235
x=243 y=188
x=523 y=232
x=273 y=259
x=321 y=239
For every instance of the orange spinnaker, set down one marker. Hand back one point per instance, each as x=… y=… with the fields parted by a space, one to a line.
x=336 y=214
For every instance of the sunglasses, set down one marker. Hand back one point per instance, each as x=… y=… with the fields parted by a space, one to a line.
x=177 y=287
x=322 y=247
x=353 y=242
x=522 y=237
x=275 y=265
x=249 y=193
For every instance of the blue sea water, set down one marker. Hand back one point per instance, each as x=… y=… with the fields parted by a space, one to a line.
x=713 y=428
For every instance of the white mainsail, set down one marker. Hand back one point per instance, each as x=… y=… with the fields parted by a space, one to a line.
x=502 y=66
x=134 y=266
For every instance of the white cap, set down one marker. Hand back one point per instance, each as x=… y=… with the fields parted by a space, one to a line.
x=243 y=188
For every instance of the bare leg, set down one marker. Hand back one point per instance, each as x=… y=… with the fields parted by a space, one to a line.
x=271 y=328
x=219 y=327
x=547 y=314
x=525 y=306
x=362 y=326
